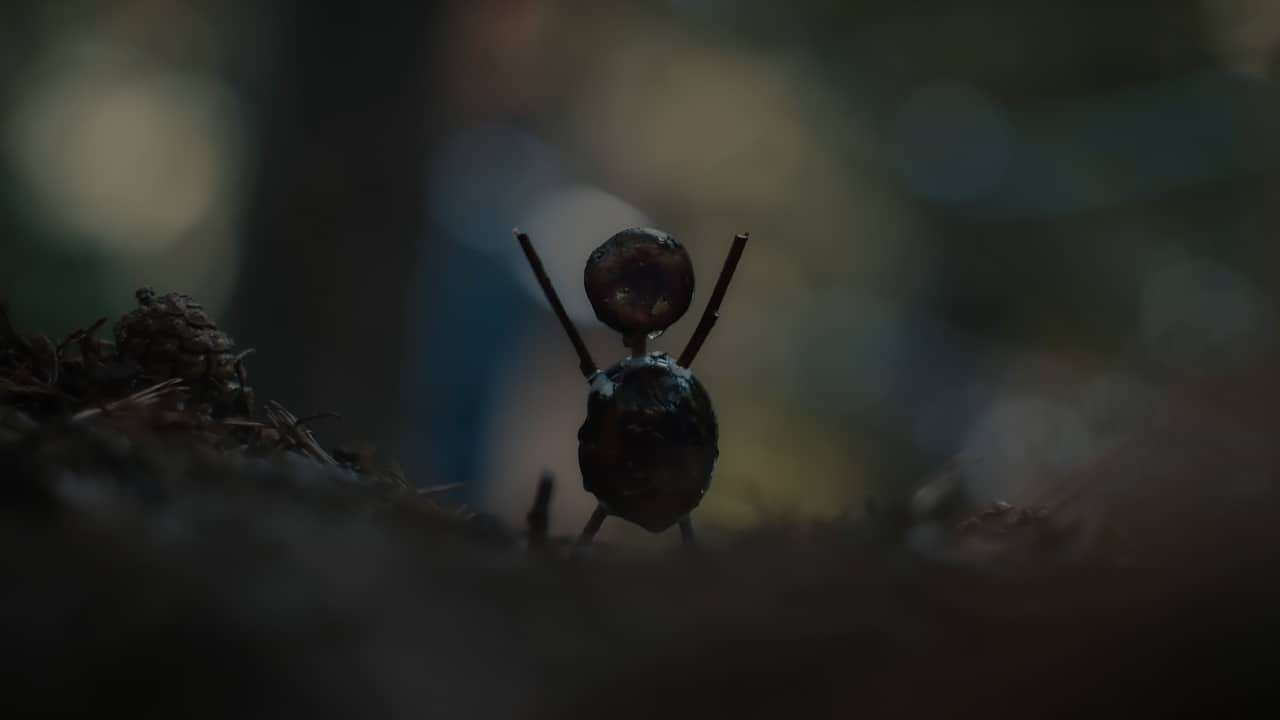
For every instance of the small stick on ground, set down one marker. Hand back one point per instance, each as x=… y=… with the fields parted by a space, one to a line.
x=712 y=313
x=585 y=363
x=539 y=517
x=290 y=431
x=80 y=334
x=142 y=398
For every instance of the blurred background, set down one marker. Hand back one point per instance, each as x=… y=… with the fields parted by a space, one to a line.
x=982 y=236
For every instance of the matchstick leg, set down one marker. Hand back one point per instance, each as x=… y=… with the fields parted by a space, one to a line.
x=593 y=526
x=686 y=533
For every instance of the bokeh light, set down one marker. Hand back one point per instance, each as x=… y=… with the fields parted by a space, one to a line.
x=129 y=158
x=570 y=222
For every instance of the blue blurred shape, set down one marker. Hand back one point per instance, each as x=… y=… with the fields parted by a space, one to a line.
x=470 y=306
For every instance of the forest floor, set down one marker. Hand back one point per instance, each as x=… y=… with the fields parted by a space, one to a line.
x=171 y=547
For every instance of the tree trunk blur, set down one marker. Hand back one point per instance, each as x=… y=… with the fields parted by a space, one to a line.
x=334 y=218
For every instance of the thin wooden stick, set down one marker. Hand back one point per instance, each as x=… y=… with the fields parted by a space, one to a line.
x=687 y=537
x=712 y=313
x=586 y=364
x=142 y=398
x=593 y=526
x=77 y=335
x=539 y=516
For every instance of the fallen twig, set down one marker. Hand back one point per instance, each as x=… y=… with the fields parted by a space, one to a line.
x=142 y=398
x=288 y=426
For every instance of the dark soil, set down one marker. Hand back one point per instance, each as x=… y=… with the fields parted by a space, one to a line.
x=171 y=548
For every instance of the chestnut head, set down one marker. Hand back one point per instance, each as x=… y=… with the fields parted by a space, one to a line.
x=640 y=281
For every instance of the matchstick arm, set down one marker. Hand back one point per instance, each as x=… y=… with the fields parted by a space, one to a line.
x=712 y=313
x=585 y=363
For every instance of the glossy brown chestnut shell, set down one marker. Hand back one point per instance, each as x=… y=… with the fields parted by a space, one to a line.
x=649 y=445
x=639 y=281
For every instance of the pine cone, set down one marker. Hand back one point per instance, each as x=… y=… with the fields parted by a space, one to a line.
x=172 y=336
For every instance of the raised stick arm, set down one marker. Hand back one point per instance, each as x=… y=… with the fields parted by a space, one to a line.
x=712 y=313
x=585 y=363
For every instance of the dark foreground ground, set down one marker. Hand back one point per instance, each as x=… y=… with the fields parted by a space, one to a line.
x=167 y=558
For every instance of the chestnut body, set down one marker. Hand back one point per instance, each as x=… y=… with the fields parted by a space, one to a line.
x=649 y=445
